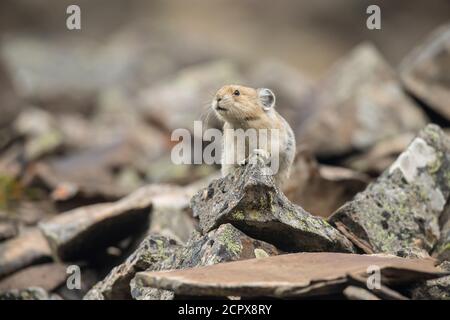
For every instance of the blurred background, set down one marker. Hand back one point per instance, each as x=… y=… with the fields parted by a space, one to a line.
x=86 y=115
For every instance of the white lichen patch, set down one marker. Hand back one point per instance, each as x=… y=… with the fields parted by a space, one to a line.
x=418 y=155
x=260 y=253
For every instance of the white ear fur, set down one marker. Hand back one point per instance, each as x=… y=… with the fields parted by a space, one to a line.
x=267 y=98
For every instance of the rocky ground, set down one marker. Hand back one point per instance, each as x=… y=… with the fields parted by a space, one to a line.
x=96 y=188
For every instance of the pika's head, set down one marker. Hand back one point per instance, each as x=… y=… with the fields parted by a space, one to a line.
x=234 y=103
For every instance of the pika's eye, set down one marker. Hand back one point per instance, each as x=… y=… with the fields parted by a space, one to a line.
x=236 y=92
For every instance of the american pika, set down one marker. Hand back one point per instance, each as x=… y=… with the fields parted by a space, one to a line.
x=247 y=108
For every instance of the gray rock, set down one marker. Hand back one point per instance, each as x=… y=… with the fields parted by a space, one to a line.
x=435 y=289
x=116 y=285
x=425 y=71
x=223 y=244
x=399 y=212
x=80 y=232
x=250 y=201
x=358 y=104
x=442 y=249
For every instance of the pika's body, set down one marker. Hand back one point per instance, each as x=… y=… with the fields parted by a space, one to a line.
x=247 y=108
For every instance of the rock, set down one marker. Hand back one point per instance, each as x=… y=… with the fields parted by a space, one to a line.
x=358 y=104
x=32 y=293
x=287 y=276
x=399 y=212
x=171 y=220
x=356 y=293
x=442 y=249
x=8 y=229
x=379 y=157
x=435 y=289
x=74 y=181
x=171 y=213
x=250 y=201
x=80 y=232
x=321 y=189
x=223 y=244
x=116 y=285
x=425 y=70
x=47 y=276
x=26 y=249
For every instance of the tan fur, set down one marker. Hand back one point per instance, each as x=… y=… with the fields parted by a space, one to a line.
x=245 y=111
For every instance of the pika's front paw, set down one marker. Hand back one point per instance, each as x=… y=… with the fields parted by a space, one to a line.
x=243 y=163
x=259 y=155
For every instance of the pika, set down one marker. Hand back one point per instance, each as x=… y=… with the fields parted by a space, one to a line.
x=248 y=108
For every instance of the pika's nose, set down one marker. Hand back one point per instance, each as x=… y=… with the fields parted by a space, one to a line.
x=219 y=99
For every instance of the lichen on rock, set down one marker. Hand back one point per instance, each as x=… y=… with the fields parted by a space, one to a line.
x=399 y=212
x=223 y=244
x=249 y=200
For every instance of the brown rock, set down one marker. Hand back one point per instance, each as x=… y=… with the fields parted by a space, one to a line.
x=290 y=275
x=321 y=189
x=8 y=229
x=48 y=276
x=425 y=71
x=80 y=232
x=379 y=157
x=358 y=104
x=27 y=249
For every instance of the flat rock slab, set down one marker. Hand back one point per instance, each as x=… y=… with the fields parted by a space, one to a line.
x=289 y=275
x=47 y=276
x=26 y=249
x=249 y=200
x=359 y=103
x=80 y=232
x=116 y=285
x=223 y=244
x=399 y=212
x=425 y=71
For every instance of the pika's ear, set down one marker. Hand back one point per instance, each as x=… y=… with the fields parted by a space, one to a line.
x=267 y=98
